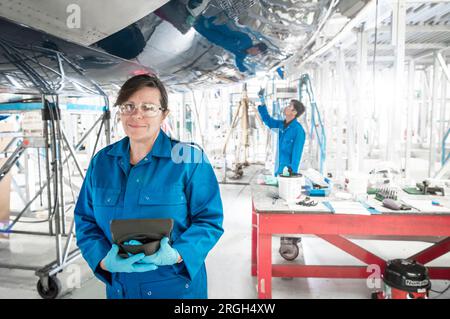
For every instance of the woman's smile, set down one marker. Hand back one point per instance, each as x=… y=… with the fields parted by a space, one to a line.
x=132 y=125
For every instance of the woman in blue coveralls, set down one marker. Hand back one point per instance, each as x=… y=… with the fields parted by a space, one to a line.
x=143 y=176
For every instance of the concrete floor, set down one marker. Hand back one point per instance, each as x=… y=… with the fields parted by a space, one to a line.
x=228 y=263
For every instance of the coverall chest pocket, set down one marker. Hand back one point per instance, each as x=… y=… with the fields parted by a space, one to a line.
x=105 y=201
x=162 y=196
x=106 y=196
x=173 y=288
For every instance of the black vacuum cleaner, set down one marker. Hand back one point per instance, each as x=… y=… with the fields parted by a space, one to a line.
x=404 y=279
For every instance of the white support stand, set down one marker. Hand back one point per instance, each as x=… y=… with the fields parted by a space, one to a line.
x=398 y=37
x=433 y=147
x=362 y=105
x=409 y=117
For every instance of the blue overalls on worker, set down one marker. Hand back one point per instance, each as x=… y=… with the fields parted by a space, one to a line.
x=234 y=41
x=291 y=140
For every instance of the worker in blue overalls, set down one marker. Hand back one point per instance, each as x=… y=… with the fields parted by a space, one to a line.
x=291 y=135
x=147 y=175
x=236 y=42
x=291 y=139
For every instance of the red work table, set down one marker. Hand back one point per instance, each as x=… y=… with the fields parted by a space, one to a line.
x=269 y=218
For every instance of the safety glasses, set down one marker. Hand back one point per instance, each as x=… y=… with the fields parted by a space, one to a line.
x=146 y=109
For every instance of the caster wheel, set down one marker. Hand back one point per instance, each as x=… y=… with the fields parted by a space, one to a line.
x=289 y=252
x=54 y=288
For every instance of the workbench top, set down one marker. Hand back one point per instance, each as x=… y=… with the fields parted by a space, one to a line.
x=265 y=200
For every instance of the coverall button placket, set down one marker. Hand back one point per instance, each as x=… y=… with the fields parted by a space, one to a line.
x=123 y=166
x=131 y=190
x=145 y=161
x=118 y=290
x=135 y=181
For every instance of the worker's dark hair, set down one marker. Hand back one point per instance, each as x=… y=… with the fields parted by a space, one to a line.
x=134 y=84
x=261 y=46
x=298 y=106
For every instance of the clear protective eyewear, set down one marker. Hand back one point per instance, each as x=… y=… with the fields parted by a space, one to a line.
x=147 y=109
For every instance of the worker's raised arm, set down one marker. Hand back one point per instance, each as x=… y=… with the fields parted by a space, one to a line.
x=262 y=110
x=91 y=240
x=205 y=212
x=267 y=119
x=297 y=151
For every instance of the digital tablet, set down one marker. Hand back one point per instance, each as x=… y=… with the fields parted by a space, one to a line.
x=147 y=231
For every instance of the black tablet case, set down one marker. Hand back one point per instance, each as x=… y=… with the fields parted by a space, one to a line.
x=147 y=231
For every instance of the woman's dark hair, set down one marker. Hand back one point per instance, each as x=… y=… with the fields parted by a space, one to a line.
x=299 y=107
x=134 y=84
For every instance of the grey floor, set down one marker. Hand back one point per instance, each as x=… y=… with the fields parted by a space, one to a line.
x=228 y=263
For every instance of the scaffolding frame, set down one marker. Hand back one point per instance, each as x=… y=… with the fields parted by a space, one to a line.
x=55 y=138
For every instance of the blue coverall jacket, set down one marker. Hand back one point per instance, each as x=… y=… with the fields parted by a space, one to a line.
x=159 y=186
x=290 y=141
x=220 y=34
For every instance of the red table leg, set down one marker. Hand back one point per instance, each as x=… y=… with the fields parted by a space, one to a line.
x=264 y=266
x=254 y=240
x=432 y=252
x=442 y=273
x=354 y=250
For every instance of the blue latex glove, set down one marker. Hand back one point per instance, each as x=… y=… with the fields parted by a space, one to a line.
x=286 y=171
x=261 y=96
x=166 y=255
x=114 y=263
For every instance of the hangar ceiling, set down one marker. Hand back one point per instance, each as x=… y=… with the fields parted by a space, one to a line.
x=162 y=36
